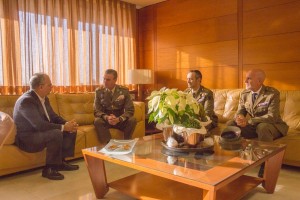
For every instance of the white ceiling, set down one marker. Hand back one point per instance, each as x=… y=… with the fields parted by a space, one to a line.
x=143 y=3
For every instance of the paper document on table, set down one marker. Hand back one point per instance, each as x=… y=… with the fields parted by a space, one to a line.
x=119 y=147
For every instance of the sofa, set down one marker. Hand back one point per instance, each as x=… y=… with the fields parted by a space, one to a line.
x=226 y=104
x=69 y=106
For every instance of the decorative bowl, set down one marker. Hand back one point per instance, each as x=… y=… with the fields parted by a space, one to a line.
x=230 y=133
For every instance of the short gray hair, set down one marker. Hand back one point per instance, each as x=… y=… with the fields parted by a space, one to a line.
x=113 y=72
x=36 y=80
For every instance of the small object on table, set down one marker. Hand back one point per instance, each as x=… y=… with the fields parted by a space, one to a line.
x=171 y=142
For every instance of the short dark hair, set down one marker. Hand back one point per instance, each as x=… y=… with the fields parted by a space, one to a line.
x=113 y=72
x=36 y=80
x=197 y=73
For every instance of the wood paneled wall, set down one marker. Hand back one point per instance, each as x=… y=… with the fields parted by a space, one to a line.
x=224 y=39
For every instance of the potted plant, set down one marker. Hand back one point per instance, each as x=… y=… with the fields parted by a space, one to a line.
x=171 y=107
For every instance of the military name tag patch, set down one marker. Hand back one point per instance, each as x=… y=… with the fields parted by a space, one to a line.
x=201 y=97
x=263 y=104
x=121 y=97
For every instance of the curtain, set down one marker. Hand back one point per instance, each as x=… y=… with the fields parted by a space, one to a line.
x=73 y=41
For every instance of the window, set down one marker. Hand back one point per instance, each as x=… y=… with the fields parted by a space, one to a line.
x=74 y=50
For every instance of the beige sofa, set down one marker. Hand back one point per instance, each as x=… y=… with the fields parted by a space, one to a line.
x=69 y=106
x=226 y=104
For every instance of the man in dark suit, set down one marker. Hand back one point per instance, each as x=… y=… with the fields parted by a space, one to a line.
x=203 y=96
x=113 y=108
x=39 y=127
x=261 y=104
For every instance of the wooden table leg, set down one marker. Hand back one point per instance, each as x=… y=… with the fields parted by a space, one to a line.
x=271 y=173
x=97 y=173
x=209 y=195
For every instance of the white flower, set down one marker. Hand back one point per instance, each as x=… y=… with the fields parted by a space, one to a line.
x=175 y=107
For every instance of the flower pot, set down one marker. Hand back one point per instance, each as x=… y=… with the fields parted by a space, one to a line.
x=189 y=136
x=167 y=132
x=193 y=139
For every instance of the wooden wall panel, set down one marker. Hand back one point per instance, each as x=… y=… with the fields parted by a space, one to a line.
x=197 y=32
x=220 y=77
x=174 y=12
x=257 y=4
x=272 y=49
x=177 y=78
x=284 y=76
x=146 y=40
x=146 y=18
x=224 y=39
x=148 y=60
x=140 y=59
x=278 y=19
x=205 y=55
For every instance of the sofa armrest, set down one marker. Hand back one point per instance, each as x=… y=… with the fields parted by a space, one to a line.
x=139 y=111
x=139 y=115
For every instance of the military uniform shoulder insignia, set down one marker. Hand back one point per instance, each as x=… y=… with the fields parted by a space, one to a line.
x=206 y=90
x=188 y=90
x=245 y=91
x=100 y=88
x=123 y=87
x=271 y=89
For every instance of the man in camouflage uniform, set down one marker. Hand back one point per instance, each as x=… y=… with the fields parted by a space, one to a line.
x=113 y=108
x=261 y=103
x=203 y=95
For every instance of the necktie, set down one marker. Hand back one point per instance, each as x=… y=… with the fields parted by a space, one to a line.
x=254 y=96
x=194 y=94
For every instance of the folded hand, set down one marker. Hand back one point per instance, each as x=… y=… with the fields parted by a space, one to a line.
x=71 y=126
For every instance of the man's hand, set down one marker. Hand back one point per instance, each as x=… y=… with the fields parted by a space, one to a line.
x=112 y=119
x=71 y=126
x=241 y=120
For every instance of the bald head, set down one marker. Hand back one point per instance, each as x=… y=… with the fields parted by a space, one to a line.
x=260 y=74
x=41 y=84
x=255 y=79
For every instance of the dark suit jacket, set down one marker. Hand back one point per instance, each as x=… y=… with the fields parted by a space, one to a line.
x=29 y=115
x=264 y=110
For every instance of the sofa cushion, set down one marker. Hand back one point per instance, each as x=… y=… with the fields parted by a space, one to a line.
x=7 y=129
x=226 y=103
x=53 y=102
x=76 y=106
x=7 y=103
x=291 y=113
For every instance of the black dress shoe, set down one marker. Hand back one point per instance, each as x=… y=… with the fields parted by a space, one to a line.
x=67 y=167
x=52 y=174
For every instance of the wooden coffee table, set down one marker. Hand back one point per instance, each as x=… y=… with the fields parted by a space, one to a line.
x=180 y=175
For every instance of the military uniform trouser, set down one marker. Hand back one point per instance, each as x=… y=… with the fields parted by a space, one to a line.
x=102 y=128
x=263 y=131
x=59 y=145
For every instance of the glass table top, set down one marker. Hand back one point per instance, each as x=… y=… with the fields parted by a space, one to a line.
x=210 y=166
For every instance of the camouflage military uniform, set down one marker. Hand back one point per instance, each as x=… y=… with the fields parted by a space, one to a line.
x=119 y=104
x=205 y=97
x=265 y=121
